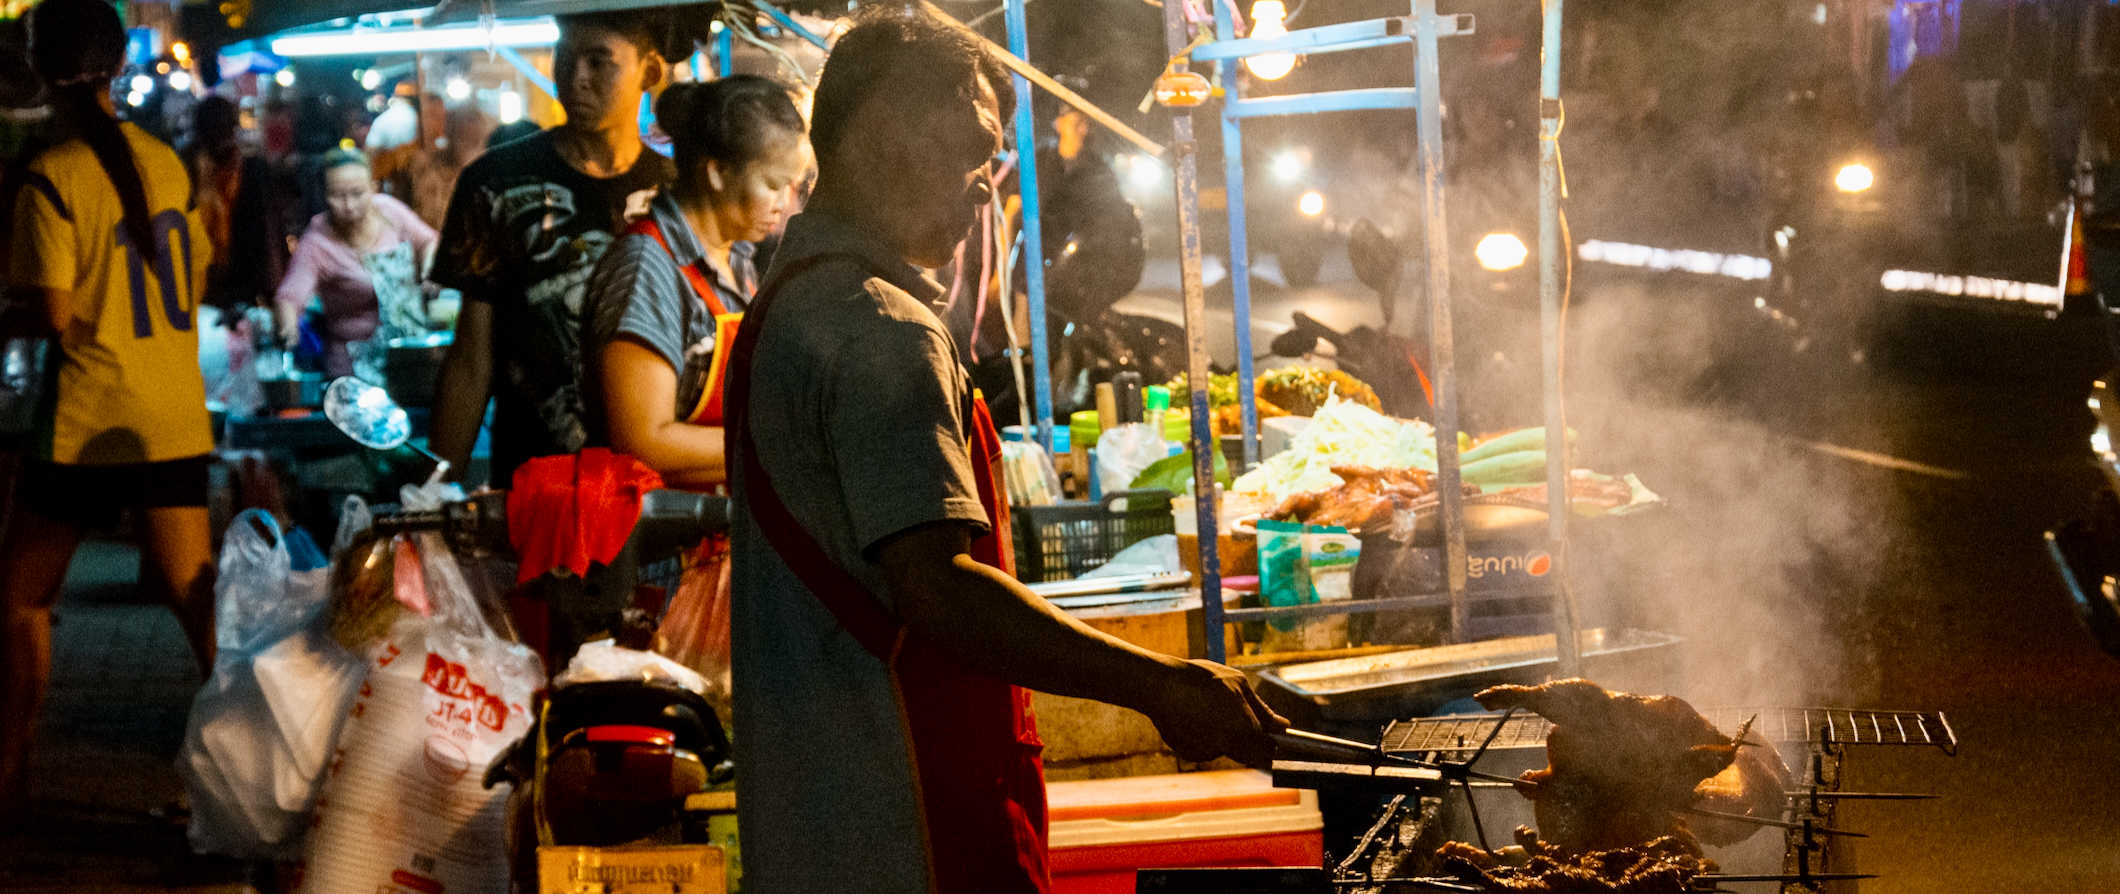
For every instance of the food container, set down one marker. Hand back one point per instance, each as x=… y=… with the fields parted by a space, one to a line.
x=1103 y=830
x=412 y=367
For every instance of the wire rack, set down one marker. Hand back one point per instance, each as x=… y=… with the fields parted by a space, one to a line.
x=1824 y=726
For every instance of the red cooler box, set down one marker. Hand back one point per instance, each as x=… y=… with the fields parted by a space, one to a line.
x=1104 y=829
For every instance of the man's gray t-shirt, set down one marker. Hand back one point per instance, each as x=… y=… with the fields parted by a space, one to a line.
x=859 y=409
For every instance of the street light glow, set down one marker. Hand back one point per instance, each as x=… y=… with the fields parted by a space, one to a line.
x=1854 y=177
x=1312 y=203
x=142 y=84
x=1267 y=17
x=438 y=39
x=180 y=81
x=1501 y=251
x=1288 y=167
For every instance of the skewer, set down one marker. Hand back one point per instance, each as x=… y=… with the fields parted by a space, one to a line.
x=1432 y=884
x=1862 y=796
x=1778 y=824
x=1783 y=877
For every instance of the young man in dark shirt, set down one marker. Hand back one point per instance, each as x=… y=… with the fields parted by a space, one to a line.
x=525 y=227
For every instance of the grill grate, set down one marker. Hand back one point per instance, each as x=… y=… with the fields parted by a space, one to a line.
x=1829 y=726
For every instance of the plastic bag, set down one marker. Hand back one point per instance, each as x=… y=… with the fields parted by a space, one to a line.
x=695 y=628
x=261 y=728
x=604 y=661
x=1124 y=452
x=1156 y=555
x=442 y=694
x=1029 y=474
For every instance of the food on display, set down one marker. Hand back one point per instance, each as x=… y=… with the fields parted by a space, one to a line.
x=1667 y=864
x=1368 y=499
x=1620 y=766
x=1343 y=433
x=1303 y=390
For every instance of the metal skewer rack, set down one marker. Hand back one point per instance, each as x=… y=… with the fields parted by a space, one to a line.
x=1424 y=28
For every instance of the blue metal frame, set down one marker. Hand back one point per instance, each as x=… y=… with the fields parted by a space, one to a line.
x=724 y=52
x=1314 y=103
x=784 y=20
x=1239 y=235
x=1568 y=651
x=1033 y=230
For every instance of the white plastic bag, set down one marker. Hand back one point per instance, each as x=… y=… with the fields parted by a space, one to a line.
x=1124 y=451
x=442 y=694
x=260 y=729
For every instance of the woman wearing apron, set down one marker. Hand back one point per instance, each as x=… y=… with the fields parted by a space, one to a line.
x=670 y=292
x=362 y=260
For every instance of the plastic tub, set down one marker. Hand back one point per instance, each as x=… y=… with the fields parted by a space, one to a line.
x=1103 y=830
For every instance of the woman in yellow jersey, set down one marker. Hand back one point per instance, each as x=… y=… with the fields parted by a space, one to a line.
x=108 y=259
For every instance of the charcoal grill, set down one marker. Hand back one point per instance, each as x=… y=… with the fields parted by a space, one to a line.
x=1395 y=853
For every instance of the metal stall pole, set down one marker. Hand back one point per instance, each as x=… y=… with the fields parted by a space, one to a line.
x=1230 y=74
x=724 y=50
x=1428 y=128
x=1033 y=232
x=1565 y=623
x=781 y=18
x=1185 y=170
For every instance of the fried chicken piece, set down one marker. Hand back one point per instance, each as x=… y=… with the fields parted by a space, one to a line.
x=1619 y=765
x=1367 y=498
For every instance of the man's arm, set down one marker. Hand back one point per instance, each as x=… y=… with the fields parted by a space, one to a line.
x=996 y=626
x=465 y=386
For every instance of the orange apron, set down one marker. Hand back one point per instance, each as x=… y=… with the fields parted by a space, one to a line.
x=708 y=411
x=975 y=742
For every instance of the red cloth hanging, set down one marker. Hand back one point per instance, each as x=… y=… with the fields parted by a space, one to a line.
x=569 y=510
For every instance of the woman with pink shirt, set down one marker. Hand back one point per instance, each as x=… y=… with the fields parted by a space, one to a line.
x=362 y=258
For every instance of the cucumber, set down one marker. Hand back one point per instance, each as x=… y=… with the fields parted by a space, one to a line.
x=1520 y=467
x=1520 y=440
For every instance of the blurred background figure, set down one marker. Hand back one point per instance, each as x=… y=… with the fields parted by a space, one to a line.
x=234 y=193
x=362 y=259
x=401 y=122
x=424 y=179
x=510 y=132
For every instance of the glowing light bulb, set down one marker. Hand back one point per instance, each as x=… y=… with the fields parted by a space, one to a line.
x=459 y=89
x=1311 y=203
x=511 y=106
x=1854 y=177
x=371 y=79
x=1267 y=17
x=142 y=84
x=284 y=78
x=1501 y=251
x=180 y=80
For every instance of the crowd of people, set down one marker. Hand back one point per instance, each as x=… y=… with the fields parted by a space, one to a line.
x=611 y=296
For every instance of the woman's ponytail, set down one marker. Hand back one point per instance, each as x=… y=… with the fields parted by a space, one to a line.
x=79 y=105
x=76 y=47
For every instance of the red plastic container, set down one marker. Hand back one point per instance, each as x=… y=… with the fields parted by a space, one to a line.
x=1105 y=829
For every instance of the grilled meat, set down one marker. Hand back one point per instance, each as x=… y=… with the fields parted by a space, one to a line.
x=1367 y=499
x=1664 y=865
x=1752 y=785
x=1619 y=765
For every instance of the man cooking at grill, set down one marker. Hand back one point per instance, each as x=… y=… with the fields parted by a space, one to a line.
x=876 y=630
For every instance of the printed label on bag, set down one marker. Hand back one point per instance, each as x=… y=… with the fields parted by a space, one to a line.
x=683 y=869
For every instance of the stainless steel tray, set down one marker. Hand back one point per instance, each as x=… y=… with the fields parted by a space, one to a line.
x=1412 y=682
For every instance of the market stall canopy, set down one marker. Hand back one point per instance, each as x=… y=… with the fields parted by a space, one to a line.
x=459 y=10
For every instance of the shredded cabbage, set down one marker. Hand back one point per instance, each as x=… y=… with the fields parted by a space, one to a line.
x=1343 y=433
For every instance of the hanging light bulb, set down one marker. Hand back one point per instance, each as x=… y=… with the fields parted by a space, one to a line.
x=1267 y=17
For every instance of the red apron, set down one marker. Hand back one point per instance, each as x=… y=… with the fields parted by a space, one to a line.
x=709 y=409
x=975 y=743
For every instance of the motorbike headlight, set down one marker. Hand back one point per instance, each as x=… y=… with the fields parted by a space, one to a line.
x=1311 y=203
x=1501 y=251
x=1854 y=177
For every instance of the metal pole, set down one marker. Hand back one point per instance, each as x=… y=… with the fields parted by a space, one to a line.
x=1185 y=168
x=1550 y=322
x=1428 y=123
x=1033 y=231
x=1239 y=236
x=724 y=52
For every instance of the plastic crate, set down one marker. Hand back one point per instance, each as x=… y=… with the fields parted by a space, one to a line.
x=1064 y=540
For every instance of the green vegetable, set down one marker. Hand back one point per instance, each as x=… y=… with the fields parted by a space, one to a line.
x=1221 y=390
x=1533 y=438
x=1507 y=470
x=1175 y=474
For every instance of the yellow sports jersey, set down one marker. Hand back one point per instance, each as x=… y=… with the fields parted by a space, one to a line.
x=128 y=383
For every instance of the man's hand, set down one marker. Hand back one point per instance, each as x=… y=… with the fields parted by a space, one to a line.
x=1207 y=710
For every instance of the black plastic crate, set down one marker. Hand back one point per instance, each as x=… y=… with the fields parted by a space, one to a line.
x=1064 y=540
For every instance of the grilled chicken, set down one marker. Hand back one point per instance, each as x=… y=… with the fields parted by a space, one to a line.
x=1367 y=499
x=1619 y=765
x=1664 y=865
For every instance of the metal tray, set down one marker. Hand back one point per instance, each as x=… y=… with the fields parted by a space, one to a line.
x=1412 y=682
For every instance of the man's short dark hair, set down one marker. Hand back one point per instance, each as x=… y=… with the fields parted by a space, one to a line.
x=645 y=29
x=929 y=60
